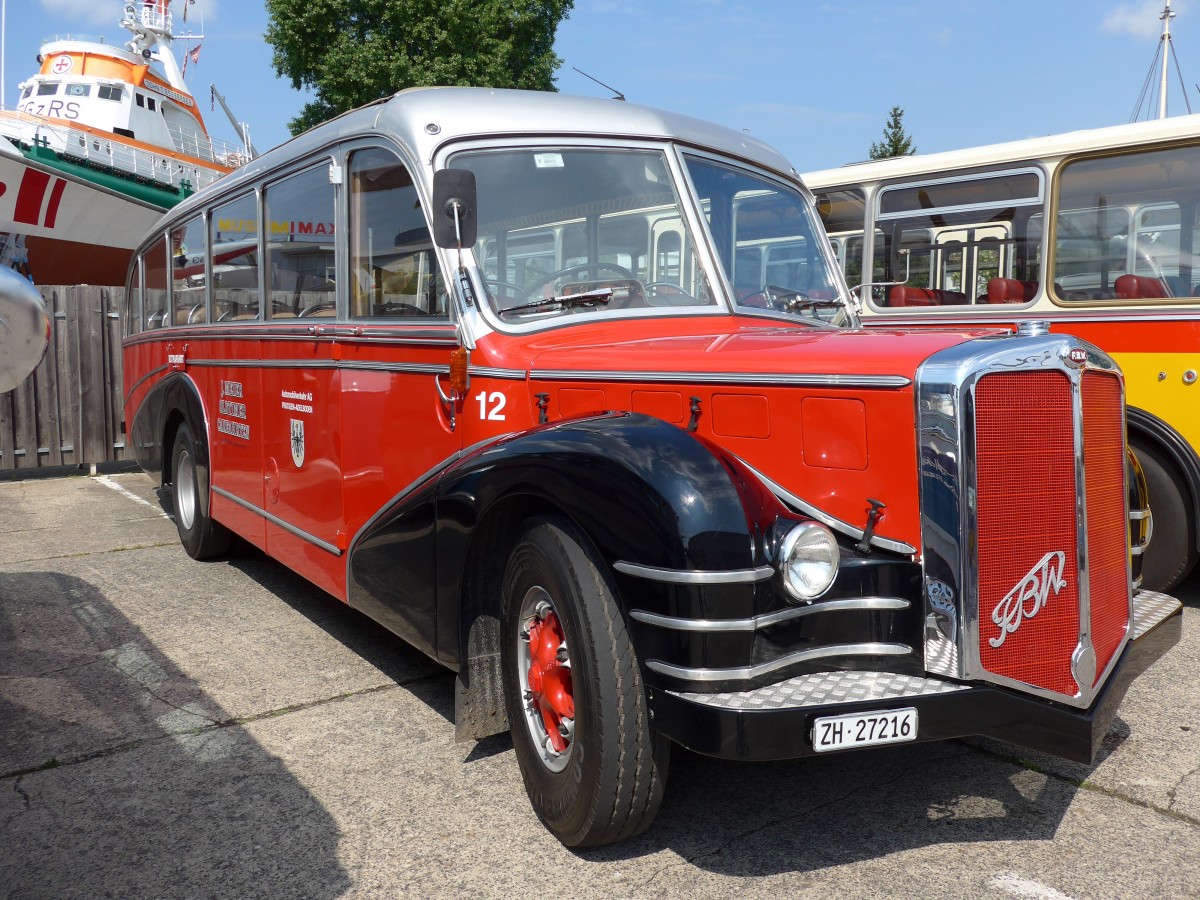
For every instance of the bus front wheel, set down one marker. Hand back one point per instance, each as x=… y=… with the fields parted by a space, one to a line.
x=591 y=762
x=201 y=537
x=1171 y=554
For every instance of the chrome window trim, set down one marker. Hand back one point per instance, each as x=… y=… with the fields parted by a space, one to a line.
x=742 y=673
x=945 y=397
x=755 y=623
x=893 y=187
x=695 y=576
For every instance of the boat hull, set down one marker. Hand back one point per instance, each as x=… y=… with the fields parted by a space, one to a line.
x=76 y=231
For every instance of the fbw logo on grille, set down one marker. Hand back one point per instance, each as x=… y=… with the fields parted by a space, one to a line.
x=1030 y=595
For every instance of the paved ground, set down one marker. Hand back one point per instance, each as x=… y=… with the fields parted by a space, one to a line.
x=179 y=729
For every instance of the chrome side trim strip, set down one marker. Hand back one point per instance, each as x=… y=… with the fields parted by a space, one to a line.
x=275 y=520
x=493 y=372
x=758 y=378
x=263 y=363
x=402 y=368
x=825 y=518
x=692 y=576
x=754 y=623
x=747 y=672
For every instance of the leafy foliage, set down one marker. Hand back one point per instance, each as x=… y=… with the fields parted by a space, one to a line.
x=895 y=141
x=350 y=52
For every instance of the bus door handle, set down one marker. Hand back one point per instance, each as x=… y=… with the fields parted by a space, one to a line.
x=450 y=400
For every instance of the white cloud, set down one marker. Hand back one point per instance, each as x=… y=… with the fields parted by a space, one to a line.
x=1141 y=19
x=68 y=15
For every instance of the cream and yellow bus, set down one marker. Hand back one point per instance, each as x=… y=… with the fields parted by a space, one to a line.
x=1097 y=232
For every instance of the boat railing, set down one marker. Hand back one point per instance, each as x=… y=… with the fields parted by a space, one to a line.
x=101 y=152
x=201 y=146
x=154 y=15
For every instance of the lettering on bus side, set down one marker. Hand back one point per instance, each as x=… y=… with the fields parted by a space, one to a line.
x=297 y=401
x=234 y=409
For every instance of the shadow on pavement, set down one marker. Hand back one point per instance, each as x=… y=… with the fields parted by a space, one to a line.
x=119 y=777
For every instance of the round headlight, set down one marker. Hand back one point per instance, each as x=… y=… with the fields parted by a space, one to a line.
x=809 y=560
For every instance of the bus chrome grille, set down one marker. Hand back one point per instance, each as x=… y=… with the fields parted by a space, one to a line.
x=1108 y=556
x=1053 y=588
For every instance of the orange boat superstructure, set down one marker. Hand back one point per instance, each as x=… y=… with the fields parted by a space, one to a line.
x=103 y=140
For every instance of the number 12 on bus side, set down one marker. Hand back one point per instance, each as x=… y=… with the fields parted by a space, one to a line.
x=893 y=726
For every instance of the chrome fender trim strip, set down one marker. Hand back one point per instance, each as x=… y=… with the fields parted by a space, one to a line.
x=743 y=673
x=754 y=623
x=695 y=576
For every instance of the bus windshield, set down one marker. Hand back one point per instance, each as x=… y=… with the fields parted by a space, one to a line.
x=772 y=251
x=569 y=230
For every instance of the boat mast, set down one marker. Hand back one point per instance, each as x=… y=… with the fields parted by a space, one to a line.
x=1166 y=17
x=149 y=21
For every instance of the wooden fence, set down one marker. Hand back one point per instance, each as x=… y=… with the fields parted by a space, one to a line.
x=68 y=412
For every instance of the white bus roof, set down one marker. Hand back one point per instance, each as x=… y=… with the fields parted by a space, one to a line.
x=425 y=119
x=1048 y=147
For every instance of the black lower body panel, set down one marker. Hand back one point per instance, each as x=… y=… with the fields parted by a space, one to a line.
x=777 y=722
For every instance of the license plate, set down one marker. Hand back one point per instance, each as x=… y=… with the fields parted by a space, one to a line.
x=893 y=726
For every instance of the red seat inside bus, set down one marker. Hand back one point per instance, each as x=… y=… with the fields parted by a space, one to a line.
x=902 y=295
x=1137 y=287
x=1010 y=290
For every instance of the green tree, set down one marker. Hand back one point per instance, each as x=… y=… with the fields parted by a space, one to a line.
x=895 y=141
x=350 y=52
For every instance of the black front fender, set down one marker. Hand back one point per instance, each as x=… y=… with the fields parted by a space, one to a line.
x=643 y=492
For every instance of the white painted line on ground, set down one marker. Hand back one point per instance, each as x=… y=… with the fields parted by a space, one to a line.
x=125 y=492
x=1011 y=883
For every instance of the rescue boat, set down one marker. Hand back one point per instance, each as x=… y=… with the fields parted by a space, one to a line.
x=104 y=139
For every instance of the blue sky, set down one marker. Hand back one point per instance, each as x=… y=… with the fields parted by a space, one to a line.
x=815 y=78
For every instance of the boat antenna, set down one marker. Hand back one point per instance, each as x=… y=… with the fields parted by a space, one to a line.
x=1165 y=50
x=619 y=95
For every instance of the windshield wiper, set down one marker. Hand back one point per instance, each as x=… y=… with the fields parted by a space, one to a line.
x=794 y=300
x=568 y=301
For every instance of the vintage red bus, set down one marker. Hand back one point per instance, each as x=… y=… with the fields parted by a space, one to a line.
x=1097 y=232
x=474 y=362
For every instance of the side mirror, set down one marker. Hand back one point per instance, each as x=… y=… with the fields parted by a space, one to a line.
x=454 y=190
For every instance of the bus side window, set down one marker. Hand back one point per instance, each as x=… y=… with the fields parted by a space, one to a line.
x=187 y=273
x=233 y=256
x=392 y=264
x=300 y=254
x=154 y=265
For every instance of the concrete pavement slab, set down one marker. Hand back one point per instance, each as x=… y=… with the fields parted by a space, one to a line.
x=177 y=729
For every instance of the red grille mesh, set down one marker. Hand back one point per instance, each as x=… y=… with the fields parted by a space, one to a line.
x=1104 y=474
x=1025 y=495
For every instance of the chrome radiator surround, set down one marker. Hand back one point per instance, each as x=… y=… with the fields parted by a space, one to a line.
x=945 y=398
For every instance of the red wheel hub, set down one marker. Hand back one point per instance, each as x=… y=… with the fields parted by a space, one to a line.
x=550 y=678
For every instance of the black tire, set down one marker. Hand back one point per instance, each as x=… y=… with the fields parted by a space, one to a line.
x=607 y=783
x=201 y=537
x=1172 y=551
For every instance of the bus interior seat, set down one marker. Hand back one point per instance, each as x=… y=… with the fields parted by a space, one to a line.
x=1139 y=287
x=1010 y=290
x=324 y=310
x=902 y=295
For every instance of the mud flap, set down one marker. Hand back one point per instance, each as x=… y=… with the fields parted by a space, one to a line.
x=478 y=687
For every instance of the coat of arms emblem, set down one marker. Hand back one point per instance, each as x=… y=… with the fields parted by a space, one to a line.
x=298 y=442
